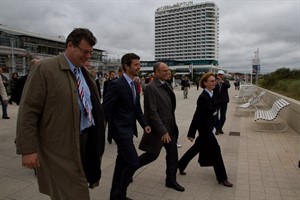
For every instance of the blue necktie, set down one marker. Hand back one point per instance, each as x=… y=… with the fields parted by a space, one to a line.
x=133 y=91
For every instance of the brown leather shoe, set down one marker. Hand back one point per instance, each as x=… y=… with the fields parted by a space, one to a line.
x=226 y=183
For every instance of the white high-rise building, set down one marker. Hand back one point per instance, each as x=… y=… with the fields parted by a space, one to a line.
x=187 y=31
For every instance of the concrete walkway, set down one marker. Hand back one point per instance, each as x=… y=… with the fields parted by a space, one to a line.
x=261 y=165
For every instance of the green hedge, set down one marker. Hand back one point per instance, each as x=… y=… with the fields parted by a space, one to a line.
x=283 y=81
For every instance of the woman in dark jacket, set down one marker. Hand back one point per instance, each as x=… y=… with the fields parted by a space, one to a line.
x=206 y=144
x=13 y=82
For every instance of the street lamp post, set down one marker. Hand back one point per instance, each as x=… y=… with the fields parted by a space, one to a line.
x=13 y=63
x=251 y=70
x=256 y=65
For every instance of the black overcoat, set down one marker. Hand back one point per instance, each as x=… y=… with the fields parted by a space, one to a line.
x=203 y=121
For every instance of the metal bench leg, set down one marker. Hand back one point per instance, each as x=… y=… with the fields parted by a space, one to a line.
x=273 y=125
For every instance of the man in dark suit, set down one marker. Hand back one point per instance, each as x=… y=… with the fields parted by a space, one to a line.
x=122 y=108
x=222 y=98
x=159 y=107
x=112 y=76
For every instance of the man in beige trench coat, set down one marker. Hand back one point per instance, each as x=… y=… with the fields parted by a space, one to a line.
x=58 y=134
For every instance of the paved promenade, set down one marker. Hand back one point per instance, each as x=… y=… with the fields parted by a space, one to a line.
x=261 y=165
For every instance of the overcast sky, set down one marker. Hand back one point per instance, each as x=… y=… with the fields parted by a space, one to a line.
x=123 y=26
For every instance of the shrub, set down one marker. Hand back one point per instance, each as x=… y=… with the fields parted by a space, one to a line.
x=283 y=81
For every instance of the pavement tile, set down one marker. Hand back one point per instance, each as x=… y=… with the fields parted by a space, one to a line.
x=261 y=165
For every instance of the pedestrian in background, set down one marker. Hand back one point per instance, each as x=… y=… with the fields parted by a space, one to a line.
x=4 y=104
x=3 y=93
x=13 y=82
x=185 y=84
x=112 y=76
x=21 y=83
x=222 y=99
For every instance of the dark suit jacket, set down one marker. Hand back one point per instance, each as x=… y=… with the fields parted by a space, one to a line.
x=94 y=140
x=105 y=85
x=120 y=110
x=203 y=121
x=222 y=96
x=19 y=89
x=97 y=81
x=159 y=108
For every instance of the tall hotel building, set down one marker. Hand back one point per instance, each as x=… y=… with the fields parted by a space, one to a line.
x=187 y=32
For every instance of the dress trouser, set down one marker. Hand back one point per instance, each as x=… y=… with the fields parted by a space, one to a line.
x=219 y=167
x=185 y=92
x=220 y=118
x=4 y=108
x=127 y=162
x=189 y=155
x=171 y=160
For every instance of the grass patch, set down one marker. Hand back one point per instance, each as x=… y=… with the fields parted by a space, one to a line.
x=283 y=81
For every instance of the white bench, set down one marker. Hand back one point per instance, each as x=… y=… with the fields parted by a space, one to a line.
x=252 y=102
x=271 y=115
x=245 y=94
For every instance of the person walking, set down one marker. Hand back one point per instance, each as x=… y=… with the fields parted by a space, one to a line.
x=185 y=84
x=3 y=93
x=4 y=104
x=206 y=144
x=60 y=125
x=121 y=104
x=12 y=83
x=222 y=99
x=159 y=107
x=111 y=77
x=21 y=83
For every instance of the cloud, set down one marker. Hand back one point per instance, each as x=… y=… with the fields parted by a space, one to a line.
x=128 y=26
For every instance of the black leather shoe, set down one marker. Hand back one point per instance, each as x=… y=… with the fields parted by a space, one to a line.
x=182 y=172
x=226 y=183
x=175 y=186
x=114 y=196
x=6 y=117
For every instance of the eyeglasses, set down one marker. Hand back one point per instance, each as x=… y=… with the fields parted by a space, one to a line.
x=164 y=70
x=211 y=81
x=84 y=51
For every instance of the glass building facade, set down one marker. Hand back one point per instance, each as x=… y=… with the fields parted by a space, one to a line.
x=187 y=32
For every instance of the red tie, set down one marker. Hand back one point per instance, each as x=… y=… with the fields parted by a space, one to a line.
x=87 y=111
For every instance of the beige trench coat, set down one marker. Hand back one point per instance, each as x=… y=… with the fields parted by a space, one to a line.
x=48 y=123
x=3 y=93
